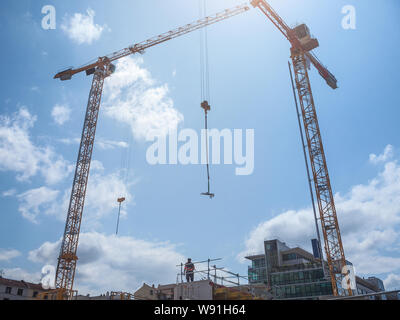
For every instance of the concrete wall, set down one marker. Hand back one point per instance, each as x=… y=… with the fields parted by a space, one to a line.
x=27 y=294
x=198 y=290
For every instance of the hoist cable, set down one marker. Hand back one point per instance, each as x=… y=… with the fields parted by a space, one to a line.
x=205 y=86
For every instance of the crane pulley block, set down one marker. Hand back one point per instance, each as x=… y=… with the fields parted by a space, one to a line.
x=205 y=106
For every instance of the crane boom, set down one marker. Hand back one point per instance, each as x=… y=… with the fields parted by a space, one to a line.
x=142 y=46
x=101 y=69
x=326 y=204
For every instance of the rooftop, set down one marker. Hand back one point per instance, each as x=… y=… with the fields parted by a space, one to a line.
x=20 y=284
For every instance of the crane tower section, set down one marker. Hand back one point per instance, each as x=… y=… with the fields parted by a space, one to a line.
x=329 y=222
x=67 y=259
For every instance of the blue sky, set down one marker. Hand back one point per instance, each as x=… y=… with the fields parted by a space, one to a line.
x=164 y=219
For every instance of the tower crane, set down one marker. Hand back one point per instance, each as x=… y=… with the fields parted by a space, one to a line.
x=301 y=45
x=100 y=70
x=103 y=67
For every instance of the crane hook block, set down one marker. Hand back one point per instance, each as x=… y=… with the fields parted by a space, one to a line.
x=211 y=195
x=205 y=106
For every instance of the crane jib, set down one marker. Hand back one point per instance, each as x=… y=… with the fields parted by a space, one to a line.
x=140 y=47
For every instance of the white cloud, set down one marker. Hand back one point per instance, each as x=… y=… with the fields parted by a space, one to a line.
x=101 y=198
x=104 y=144
x=61 y=114
x=7 y=255
x=36 y=201
x=19 y=154
x=9 y=193
x=369 y=218
x=96 y=166
x=81 y=28
x=70 y=141
x=16 y=150
x=110 y=144
x=21 y=274
x=392 y=282
x=100 y=201
x=292 y=227
x=131 y=97
x=111 y=263
x=47 y=253
x=385 y=156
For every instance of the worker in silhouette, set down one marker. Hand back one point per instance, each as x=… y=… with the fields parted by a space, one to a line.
x=189 y=270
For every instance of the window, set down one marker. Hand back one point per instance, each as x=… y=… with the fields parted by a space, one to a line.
x=258 y=263
x=20 y=292
x=8 y=290
x=307 y=289
x=289 y=256
x=151 y=292
x=35 y=294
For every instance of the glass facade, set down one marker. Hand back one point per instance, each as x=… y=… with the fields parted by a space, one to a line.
x=303 y=276
x=258 y=263
x=300 y=284
x=257 y=275
x=303 y=290
x=289 y=256
x=257 y=272
x=304 y=280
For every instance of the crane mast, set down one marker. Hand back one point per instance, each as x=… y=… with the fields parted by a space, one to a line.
x=102 y=69
x=322 y=185
x=67 y=260
x=326 y=204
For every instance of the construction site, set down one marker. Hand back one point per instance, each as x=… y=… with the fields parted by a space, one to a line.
x=279 y=271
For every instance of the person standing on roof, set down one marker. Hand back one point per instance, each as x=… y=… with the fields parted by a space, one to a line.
x=189 y=270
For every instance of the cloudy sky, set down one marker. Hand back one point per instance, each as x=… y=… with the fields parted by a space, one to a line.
x=164 y=220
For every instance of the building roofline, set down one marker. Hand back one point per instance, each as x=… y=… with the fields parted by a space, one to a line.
x=20 y=284
x=254 y=256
